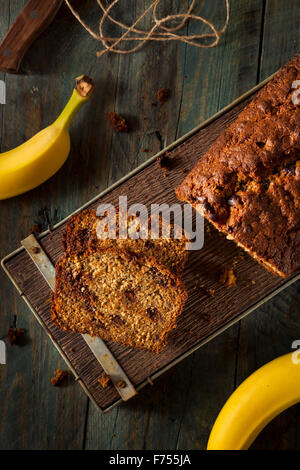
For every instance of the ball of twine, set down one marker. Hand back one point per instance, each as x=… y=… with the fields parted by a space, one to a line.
x=160 y=31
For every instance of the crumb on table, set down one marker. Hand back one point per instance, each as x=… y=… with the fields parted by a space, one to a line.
x=163 y=161
x=15 y=335
x=117 y=122
x=163 y=95
x=59 y=377
x=104 y=380
x=228 y=277
x=36 y=228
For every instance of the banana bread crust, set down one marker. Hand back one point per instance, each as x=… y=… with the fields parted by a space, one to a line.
x=248 y=183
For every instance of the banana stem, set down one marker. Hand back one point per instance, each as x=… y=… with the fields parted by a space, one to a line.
x=81 y=94
x=74 y=104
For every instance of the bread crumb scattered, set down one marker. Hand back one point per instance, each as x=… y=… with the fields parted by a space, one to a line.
x=15 y=336
x=104 y=380
x=163 y=161
x=59 y=377
x=228 y=277
x=163 y=94
x=36 y=228
x=117 y=122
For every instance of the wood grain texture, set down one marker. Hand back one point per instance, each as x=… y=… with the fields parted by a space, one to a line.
x=201 y=81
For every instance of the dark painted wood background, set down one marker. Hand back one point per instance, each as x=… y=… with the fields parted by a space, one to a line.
x=178 y=412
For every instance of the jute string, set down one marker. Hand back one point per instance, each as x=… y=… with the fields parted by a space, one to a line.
x=162 y=29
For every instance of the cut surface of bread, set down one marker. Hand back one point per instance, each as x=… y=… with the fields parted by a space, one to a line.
x=81 y=233
x=117 y=296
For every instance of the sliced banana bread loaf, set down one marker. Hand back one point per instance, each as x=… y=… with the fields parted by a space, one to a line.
x=118 y=296
x=248 y=182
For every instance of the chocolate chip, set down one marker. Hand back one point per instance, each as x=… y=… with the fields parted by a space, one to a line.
x=152 y=312
x=192 y=199
x=162 y=279
x=154 y=270
x=118 y=320
x=260 y=144
x=209 y=210
x=130 y=294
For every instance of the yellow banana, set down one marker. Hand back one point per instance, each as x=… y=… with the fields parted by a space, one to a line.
x=262 y=396
x=33 y=162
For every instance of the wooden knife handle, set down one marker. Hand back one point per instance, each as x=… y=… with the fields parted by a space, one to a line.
x=29 y=24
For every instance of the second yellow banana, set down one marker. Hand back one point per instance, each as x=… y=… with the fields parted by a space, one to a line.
x=262 y=396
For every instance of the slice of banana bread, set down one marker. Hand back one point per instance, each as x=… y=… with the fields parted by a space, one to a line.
x=248 y=182
x=81 y=233
x=118 y=296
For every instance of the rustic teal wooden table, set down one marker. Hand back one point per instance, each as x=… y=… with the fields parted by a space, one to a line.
x=178 y=412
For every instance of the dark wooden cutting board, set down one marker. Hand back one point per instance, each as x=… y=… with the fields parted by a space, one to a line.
x=211 y=306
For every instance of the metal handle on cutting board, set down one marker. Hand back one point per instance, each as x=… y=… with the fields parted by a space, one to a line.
x=29 y=24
